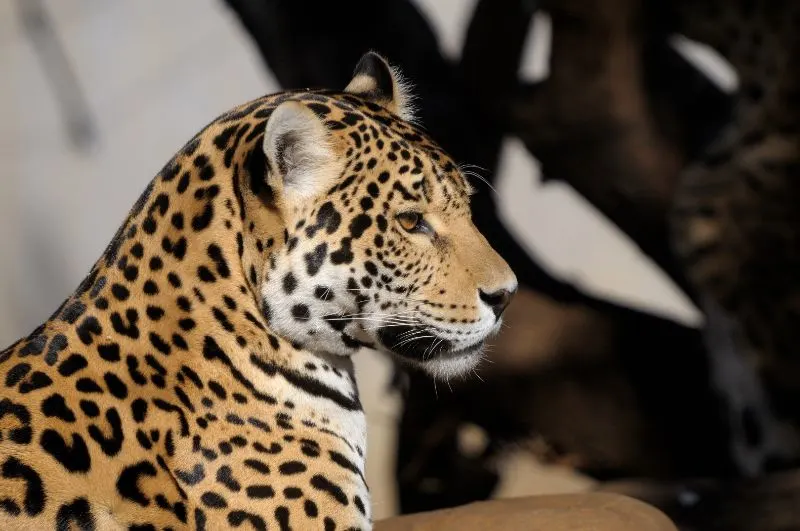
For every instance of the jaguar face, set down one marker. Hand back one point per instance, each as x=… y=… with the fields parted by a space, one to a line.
x=380 y=248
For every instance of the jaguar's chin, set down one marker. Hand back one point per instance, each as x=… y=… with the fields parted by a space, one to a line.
x=454 y=364
x=421 y=347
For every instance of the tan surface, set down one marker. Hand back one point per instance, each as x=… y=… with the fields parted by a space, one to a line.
x=571 y=512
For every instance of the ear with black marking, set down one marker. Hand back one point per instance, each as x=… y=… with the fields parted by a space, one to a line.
x=302 y=161
x=376 y=81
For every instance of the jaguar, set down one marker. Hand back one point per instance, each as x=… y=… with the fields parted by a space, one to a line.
x=201 y=375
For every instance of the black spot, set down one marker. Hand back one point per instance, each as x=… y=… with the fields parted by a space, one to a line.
x=149 y=225
x=234 y=419
x=174 y=280
x=184 y=398
x=371 y=268
x=75 y=516
x=115 y=386
x=128 y=482
x=291 y=467
x=37 y=380
x=213 y=500
x=87 y=385
x=55 y=406
x=34 y=495
x=316 y=258
x=222 y=139
x=258 y=466
x=129 y=330
x=237 y=518
x=177 y=249
x=155 y=313
x=215 y=253
x=73 y=311
x=110 y=445
x=183 y=183
x=225 y=476
x=88 y=328
x=260 y=492
x=131 y=273
x=218 y=390
x=323 y=293
x=101 y=282
x=289 y=283
x=222 y=318
x=17 y=373
x=382 y=223
x=203 y=220
x=323 y=484
x=34 y=346
x=169 y=443
x=343 y=462
x=89 y=408
x=109 y=352
x=310 y=508
x=336 y=321
x=139 y=410
x=205 y=274
x=57 y=344
x=359 y=505
x=133 y=370
x=292 y=493
x=159 y=344
x=177 y=220
x=344 y=255
x=327 y=217
x=194 y=477
x=75 y=458
x=150 y=288
x=301 y=312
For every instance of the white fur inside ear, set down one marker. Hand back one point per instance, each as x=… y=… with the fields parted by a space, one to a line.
x=298 y=146
x=399 y=101
x=404 y=96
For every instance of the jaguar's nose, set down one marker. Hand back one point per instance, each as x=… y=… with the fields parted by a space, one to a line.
x=497 y=300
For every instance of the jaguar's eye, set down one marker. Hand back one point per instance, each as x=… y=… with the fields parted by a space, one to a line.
x=411 y=221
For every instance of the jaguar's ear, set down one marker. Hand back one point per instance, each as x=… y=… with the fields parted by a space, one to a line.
x=376 y=81
x=300 y=153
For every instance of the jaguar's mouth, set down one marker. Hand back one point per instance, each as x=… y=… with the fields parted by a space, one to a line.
x=421 y=343
x=414 y=342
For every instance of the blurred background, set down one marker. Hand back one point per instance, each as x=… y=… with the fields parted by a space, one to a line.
x=600 y=375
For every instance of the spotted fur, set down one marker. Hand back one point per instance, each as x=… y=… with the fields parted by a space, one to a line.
x=200 y=376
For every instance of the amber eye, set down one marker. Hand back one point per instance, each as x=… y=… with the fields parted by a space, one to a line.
x=412 y=221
